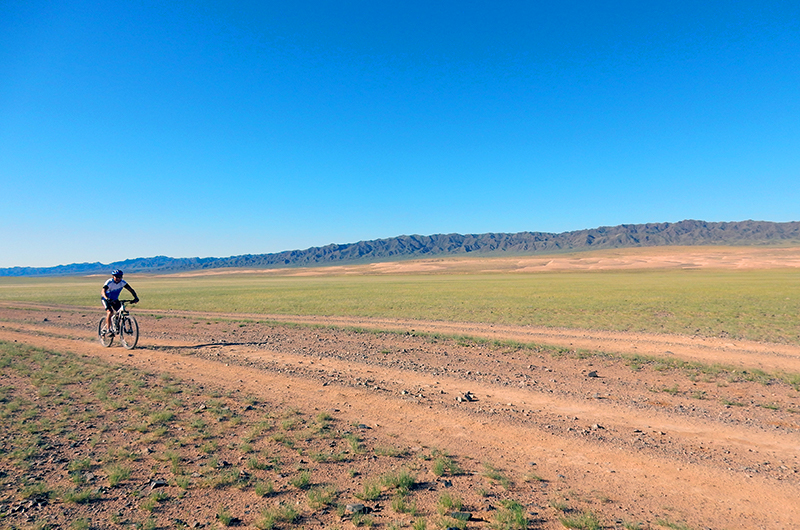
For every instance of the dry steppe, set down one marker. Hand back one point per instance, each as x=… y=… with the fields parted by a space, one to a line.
x=608 y=423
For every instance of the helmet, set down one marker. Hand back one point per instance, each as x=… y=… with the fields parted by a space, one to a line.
x=116 y=272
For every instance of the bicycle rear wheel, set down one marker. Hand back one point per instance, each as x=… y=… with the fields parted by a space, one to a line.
x=105 y=337
x=129 y=332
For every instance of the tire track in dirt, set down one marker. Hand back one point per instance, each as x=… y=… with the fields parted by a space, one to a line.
x=746 y=354
x=703 y=349
x=752 y=354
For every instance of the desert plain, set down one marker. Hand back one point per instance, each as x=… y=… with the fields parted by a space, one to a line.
x=281 y=420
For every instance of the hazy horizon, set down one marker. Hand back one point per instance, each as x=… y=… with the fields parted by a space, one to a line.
x=732 y=243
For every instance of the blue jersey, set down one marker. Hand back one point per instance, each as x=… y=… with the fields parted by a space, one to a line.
x=114 y=288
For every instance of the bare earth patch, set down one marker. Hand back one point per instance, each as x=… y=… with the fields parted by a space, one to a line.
x=637 y=443
x=719 y=257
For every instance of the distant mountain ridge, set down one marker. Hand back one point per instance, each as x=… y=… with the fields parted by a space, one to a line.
x=683 y=233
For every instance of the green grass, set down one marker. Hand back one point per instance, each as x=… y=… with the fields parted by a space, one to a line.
x=224 y=516
x=402 y=480
x=79 y=524
x=496 y=475
x=444 y=464
x=38 y=490
x=321 y=496
x=370 y=491
x=80 y=496
x=387 y=450
x=80 y=465
x=263 y=489
x=360 y=519
x=584 y=521
x=674 y=526
x=449 y=503
x=354 y=442
x=401 y=504
x=117 y=474
x=511 y=516
x=302 y=480
x=748 y=304
x=282 y=513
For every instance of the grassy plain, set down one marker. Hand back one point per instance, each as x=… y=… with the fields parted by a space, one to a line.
x=756 y=304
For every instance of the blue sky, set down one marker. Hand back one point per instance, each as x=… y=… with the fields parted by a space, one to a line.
x=135 y=129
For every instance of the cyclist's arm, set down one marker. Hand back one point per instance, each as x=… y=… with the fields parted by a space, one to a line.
x=104 y=291
x=128 y=287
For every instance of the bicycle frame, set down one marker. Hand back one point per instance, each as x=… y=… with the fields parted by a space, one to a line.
x=123 y=325
x=116 y=318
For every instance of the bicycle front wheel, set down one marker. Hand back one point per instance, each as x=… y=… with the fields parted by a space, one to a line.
x=129 y=332
x=105 y=337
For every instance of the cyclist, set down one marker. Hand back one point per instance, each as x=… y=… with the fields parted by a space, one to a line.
x=110 y=295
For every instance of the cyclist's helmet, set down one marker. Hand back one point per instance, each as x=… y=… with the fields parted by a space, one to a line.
x=116 y=273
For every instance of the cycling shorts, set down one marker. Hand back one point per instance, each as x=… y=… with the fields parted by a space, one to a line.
x=111 y=305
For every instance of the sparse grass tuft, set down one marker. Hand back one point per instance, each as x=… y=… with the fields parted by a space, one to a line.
x=673 y=390
x=224 y=516
x=356 y=447
x=282 y=513
x=584 y=521
x=117 y=474
x=402 y=480
x=402 y=504
x=511 y=516
x=321 y=497
x=81 y=496
x=39 y=490
x=360 y=519
x=302 y=480
x=673 y=525
x=264 y=489
x=443 y=463
x=449 y=503
x=533 y=477
x=77 y=524
x=395 y=452
x=494 y=474
x=730 y=403
x=370 y=491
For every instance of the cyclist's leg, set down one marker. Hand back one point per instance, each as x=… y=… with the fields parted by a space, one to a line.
x=117 y=316
x=110 y=310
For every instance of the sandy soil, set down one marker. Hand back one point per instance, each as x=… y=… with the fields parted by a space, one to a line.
x=717 y=257
x=706 y=451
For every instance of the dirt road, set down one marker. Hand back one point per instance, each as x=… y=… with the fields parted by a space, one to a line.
x=704 y=449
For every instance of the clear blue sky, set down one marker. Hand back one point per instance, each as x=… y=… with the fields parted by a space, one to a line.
x=135 y=129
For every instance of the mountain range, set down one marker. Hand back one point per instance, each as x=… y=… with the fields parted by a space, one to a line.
x=683 y=233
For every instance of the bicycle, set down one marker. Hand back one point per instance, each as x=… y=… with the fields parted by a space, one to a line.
x=122 y=324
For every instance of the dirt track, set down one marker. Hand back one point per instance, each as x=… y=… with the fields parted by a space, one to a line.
x=713 y=452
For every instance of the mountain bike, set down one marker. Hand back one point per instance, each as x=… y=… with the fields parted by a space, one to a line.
x=122 y=324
